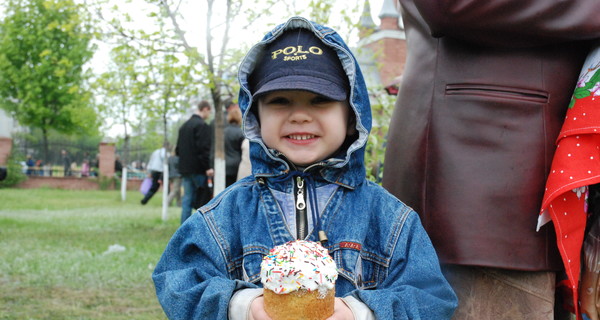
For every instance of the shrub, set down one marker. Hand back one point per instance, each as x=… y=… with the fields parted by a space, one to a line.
x=15 y=173
x=107 y=183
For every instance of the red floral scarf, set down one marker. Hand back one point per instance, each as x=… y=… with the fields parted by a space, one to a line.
x=575 y=166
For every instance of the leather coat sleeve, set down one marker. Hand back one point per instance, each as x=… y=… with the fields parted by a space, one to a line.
x=512 y=23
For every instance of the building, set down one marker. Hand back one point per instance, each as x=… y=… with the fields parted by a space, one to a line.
x=7 y=125
x=381 y=50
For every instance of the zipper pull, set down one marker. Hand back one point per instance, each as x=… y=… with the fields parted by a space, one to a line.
x=300 y=204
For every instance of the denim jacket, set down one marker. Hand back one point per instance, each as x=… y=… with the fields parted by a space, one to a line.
x=384 y=257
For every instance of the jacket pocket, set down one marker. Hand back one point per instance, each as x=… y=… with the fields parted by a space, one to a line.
x=250 y=267
x=352 y=266
x=497 y=92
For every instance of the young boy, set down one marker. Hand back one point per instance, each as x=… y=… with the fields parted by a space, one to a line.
x=307 y=116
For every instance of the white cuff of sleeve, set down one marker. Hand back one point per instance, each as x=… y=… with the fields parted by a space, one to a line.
x=239 y=305
x=359 y=309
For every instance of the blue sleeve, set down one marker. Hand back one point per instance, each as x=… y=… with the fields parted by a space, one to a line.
x=191 y=278
x=414 y=287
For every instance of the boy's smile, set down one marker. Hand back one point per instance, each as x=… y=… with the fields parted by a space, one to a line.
x=304 y=126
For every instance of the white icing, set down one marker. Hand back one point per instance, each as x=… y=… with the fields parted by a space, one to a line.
x=298 y=265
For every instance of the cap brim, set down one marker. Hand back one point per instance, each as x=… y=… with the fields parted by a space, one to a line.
x=316 y=85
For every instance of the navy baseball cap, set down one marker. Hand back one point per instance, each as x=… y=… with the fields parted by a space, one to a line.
x=298 y=60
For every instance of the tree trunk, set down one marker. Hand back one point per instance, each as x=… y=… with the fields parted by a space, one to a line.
x=45 y=137
x=219 y=142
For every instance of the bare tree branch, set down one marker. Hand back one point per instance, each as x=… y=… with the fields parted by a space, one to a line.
x=118 y=30
x=180 y=33
x=228 y=18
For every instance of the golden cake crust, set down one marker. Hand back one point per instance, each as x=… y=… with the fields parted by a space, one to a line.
x=299 y=305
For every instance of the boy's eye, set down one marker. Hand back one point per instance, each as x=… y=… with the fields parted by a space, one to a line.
x=278 y=100
x=321 y=100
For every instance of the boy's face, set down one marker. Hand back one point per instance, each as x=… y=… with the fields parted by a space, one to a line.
x=304 y=126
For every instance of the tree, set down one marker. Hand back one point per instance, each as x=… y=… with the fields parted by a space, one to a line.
x=174 y=71
x=117 y=93
x=44 y=45
x=217 y=65
x=166 y=82
x=150 y=76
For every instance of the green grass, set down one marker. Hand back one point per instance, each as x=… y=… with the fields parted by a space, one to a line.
x=53 y=260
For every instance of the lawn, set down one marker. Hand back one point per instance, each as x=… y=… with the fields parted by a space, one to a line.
x=55 y=261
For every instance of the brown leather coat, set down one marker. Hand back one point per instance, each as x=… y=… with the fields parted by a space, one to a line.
x=481 y=104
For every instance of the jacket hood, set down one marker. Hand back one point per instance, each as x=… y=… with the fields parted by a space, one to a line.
x=347 y=167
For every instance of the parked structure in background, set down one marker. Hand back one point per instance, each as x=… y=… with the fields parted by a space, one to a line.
x=381 y=50
x=6 y=128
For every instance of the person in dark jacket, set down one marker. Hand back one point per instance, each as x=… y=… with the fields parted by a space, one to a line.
x=193 y=149
x=483 y=98
x=175 y=180
x=66 y=163
x=30 y=165
x=233 y=141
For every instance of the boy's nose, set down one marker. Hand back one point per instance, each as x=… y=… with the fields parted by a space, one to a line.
x=299 y=113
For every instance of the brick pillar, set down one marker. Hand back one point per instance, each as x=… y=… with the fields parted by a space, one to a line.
x=5 y=148
x=107 y=159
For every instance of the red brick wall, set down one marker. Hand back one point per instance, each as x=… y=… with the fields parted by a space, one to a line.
x=391 y=57
x=394 y=57
x=389 y=23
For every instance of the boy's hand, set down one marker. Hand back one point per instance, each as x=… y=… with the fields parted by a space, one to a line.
x=257 y=310
x=341 y=311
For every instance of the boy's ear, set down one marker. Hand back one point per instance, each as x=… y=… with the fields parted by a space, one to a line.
x=254 y=110
x=351 y=130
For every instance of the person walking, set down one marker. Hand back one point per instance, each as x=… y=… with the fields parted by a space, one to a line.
x=175 y=180
x=118 y=166
x=30 y=165
x=233 y=142
x=482 y=101
x=155 y=166
x=85 y=165
x=66 y=163
x=194 y=143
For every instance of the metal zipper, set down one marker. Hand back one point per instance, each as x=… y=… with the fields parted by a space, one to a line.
x=301 y=217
